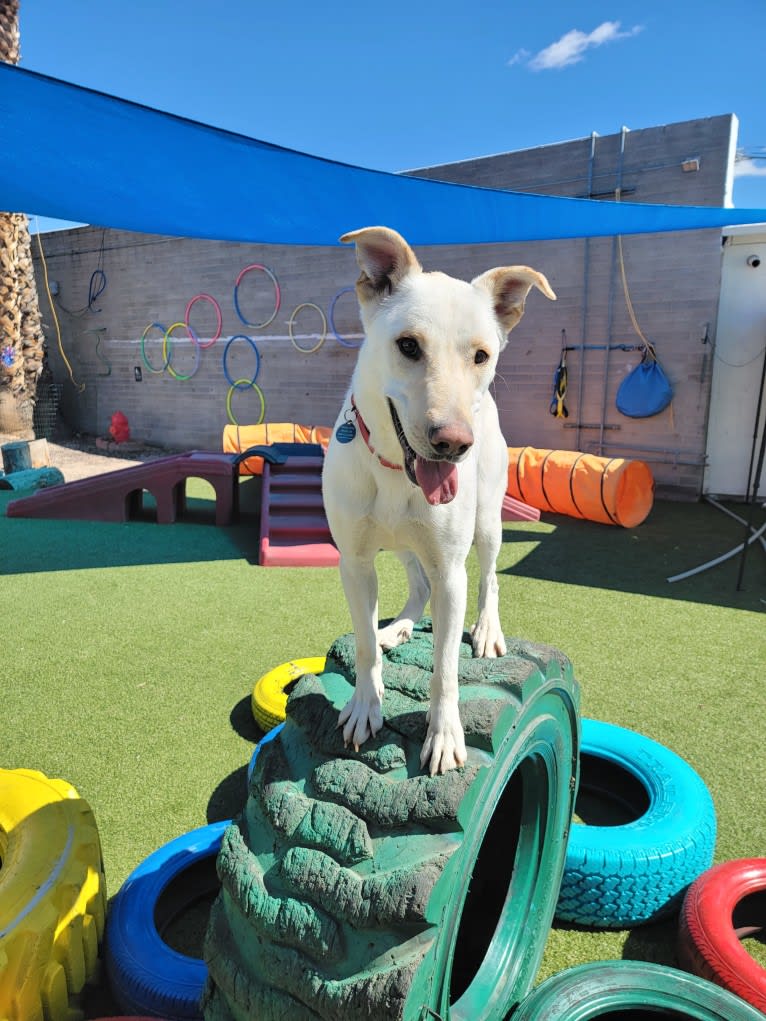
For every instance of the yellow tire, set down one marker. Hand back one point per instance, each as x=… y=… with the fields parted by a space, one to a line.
x=269 y=701
x=52 y=897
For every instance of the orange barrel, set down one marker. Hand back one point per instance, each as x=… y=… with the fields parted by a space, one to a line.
x=237 y=438
x=611 y=490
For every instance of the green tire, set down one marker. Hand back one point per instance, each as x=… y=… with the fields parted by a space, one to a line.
x=618 y=989
x=354 y=886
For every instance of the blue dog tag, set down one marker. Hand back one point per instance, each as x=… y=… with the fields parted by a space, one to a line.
x=345 y=433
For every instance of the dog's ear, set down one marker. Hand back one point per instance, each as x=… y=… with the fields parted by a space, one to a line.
x=384 y=258
x=508 y=286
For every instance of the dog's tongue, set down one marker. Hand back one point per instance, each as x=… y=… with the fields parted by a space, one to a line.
x=437 y=479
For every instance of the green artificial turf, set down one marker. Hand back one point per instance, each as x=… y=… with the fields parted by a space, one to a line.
x=130 y=651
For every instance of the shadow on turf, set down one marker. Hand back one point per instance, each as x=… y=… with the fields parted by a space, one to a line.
x=674 y=538
x=654 y=943
x=242 y=721
x=229 y=797
x=30 y=545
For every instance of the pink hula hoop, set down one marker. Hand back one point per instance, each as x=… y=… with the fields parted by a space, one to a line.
x=219 y=317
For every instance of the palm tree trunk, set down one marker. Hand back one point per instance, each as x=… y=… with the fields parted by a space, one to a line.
x=22 y=342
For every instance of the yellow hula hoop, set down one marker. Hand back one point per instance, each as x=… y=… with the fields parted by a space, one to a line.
x=291 y=321
x=166 y=351
x=244 y=384
x=268 y=700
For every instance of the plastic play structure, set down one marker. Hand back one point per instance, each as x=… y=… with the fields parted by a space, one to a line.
x=294 y=529
x=118 y=495
x=238 y=438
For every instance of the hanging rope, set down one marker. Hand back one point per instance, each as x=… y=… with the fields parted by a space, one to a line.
x=648 y=346
x=79 y=386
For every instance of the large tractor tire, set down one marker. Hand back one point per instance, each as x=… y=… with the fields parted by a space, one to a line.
x=52 y=897
x=354 y=886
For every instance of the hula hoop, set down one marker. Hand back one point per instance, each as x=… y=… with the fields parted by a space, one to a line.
x=145 y=359
x=277 y=294
x=219 y=317
x=251 y=342
x=182 y=377
x=291 y=320
x=345 y=343
x=243 y=384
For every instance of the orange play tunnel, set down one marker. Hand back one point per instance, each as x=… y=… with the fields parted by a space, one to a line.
x=237 y=438
x=611 y=490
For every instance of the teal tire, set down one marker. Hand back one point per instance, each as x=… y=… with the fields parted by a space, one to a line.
x=635 y=989
x=353 y=885
x=654 y=832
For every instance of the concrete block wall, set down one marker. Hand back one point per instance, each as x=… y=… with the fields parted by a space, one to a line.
x=673 y=281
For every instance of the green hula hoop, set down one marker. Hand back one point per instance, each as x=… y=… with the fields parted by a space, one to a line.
x=145 y=357
x=166 y=341
x=245 y=384
x=291 y=321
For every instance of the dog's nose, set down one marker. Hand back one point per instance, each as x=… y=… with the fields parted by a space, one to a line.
x=451 y=440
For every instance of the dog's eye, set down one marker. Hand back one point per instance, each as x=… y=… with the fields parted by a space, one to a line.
x=480 y=357
x=409 y=348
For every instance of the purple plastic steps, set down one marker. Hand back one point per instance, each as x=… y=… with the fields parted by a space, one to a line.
x=294 y=529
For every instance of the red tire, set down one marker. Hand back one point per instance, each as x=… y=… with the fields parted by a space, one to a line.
x=726 y=903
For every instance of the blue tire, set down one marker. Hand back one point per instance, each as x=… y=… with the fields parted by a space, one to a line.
x=148 y=976
x=264 y=740
x=618 y=876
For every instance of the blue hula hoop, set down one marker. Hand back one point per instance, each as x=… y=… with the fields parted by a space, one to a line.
x=331 y=317
x=239 y=385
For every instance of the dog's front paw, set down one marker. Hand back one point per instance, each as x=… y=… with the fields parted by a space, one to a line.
x=487 y=637
x=361 y=717
x=444 y=746
x=396 y=633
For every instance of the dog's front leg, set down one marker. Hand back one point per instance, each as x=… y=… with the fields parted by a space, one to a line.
x=444 y=746
x=362 y=716
x=400 y=629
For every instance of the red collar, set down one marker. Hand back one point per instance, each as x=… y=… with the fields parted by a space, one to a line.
x=366 y=437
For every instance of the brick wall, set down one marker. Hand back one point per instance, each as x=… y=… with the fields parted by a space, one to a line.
x=673 y=279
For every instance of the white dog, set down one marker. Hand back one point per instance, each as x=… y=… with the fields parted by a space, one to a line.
x=417 y=464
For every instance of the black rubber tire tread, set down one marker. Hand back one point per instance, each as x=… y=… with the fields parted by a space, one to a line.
x=614 y=988
x=345 y=878
x=52 y=896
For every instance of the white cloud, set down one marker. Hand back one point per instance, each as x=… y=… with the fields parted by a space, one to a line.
x=519 y=57
x=746 y=167
x=572 y=46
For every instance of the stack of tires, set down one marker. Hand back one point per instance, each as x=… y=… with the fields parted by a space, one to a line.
x=355 y=886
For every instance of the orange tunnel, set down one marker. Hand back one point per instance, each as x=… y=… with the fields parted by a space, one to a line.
x=611 y=490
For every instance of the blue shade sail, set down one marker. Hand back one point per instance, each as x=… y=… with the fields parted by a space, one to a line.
x=75 y=154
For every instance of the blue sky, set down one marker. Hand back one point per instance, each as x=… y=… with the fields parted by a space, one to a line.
x=409 y=84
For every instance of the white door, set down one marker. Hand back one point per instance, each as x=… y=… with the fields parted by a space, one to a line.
x=738 y=366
